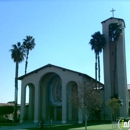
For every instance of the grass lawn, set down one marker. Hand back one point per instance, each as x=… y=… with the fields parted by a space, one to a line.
x=81 y=127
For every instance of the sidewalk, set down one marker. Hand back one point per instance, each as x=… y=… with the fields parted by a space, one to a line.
x=20 y=126
x=25 y=125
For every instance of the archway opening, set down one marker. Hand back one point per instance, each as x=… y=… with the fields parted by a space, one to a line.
x=29 y=102
x=27 y=95
x=51 y=97
x=72 y=111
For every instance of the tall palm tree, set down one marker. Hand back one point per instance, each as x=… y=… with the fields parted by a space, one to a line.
x=115 y=31
x=29 y=44
x=97 y=43
x=17 y=54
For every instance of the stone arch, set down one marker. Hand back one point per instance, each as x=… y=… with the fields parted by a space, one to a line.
x=29 y=108
x=72 y=112
x=50 y=106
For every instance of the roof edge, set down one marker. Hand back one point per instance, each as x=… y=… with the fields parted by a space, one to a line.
x=113 y=18
x=49 y=65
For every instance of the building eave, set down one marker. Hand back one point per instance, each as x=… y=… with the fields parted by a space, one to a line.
x=114 y=18
x=64 y=69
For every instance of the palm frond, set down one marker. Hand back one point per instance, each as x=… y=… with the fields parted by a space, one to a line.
x=17 y=52
x=97 y=42
x=115 y=30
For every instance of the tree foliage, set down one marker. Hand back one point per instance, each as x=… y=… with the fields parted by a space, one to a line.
x=11 y=102
x=28 y=44
x=97 y=42
x=114 y=104
x=87 y=99
x=17 y=52
x=6 y=110
x=115 y=30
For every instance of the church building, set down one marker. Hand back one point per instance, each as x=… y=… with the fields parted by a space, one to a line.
x=50 y=88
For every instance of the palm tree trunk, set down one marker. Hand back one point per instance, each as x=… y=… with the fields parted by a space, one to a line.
x=26 y=62
x=16 y=92
x=96 y=70
x=99 y=71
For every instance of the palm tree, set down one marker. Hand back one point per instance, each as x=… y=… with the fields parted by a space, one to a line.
x=29 y=44
x=17 y=54
x=97 y=43
x=115 y=31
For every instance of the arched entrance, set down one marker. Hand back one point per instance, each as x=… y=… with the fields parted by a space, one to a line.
x=51 y=97
x=29 y=106
x=72 y=111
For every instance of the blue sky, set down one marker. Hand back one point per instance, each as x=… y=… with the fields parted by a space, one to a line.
x=62 y=30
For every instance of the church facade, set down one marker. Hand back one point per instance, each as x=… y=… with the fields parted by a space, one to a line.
x=50 y=88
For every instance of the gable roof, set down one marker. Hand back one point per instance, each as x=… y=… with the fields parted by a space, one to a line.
x=50 y=65
x=114 y=18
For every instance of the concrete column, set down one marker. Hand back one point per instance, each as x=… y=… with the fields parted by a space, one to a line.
x=69 y=88
x=106 y=62
x=44 y=111
x=22 y=111
x=64 y=106
x=36 y=105
x=122 y=76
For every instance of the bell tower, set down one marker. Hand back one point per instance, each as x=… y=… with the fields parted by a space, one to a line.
x=114 y=60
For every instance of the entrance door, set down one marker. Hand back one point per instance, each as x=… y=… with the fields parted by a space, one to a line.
x=57 y=113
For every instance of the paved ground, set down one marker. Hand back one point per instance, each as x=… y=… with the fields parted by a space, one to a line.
x=20 y=126
x=23 y=126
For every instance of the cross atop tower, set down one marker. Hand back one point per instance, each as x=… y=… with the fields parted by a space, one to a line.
x=112 y=12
